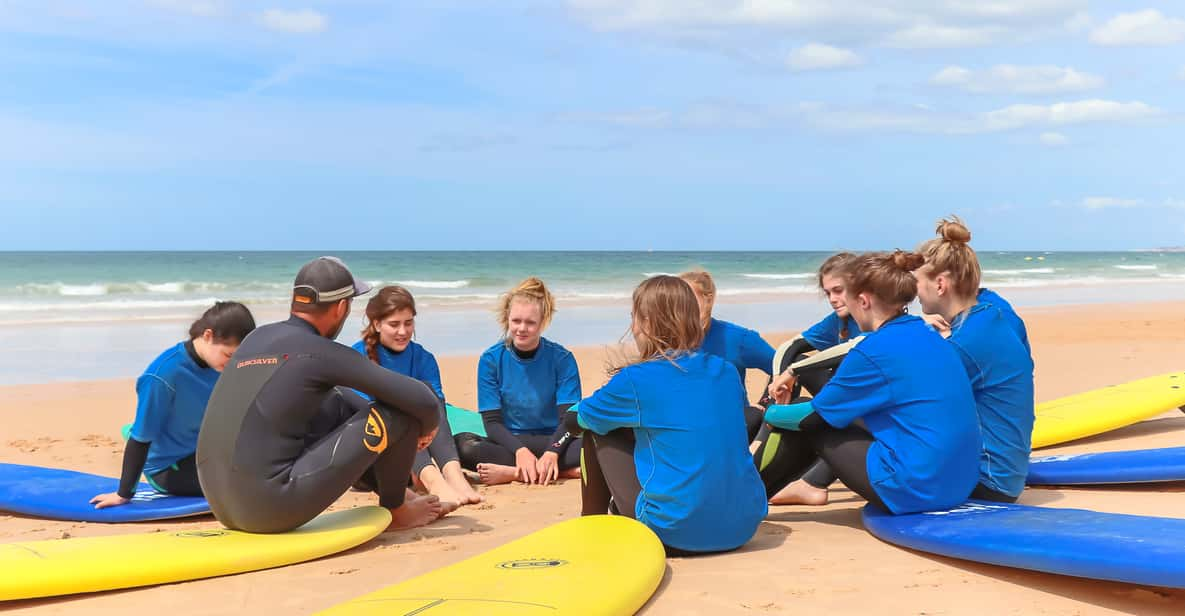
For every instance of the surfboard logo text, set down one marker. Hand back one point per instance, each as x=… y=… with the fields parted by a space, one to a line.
x=532 y=563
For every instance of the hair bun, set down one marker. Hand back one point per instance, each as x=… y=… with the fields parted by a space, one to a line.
x=907 y=261
x=953 y=230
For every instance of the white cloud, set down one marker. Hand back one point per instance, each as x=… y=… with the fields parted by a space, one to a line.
x=1147 y=27
x=200 y=8
x=817 y=56
x=303 y=21
x=1102 y=203
x=1013 y=79
x=1176 y=204
x=1053 y=140
x=926 y=36
x=1060 y=114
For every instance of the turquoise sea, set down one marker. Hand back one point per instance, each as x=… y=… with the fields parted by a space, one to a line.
x=83 y=315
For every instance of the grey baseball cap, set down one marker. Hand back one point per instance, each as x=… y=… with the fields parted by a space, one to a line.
x=324 y=280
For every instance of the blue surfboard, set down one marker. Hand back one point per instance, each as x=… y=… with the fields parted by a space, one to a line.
x=1136 y=466
x=59 y=494
x=1088 y=544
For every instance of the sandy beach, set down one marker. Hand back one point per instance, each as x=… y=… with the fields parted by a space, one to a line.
x=803 y=560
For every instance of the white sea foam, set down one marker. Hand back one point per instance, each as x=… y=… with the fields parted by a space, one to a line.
x=1017 y=272
x=435 y=284
x=780 y=276
x=1140 y=268
x=653 y=274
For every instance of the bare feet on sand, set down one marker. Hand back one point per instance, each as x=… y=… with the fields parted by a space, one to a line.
x=496 y=474
x=800 y=493
x=418 y=511
x=460 y=484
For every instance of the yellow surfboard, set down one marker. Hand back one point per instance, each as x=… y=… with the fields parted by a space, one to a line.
x=66 y=566
x=591 y=565
x=1102 y=410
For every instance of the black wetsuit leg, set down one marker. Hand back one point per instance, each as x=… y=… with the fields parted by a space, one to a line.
x=594 y=489
x=442 y=449
x=983 y=492
x=180 y=479
x=614 y=454
x=754 y=417
x=788 y=454
x=474 y=450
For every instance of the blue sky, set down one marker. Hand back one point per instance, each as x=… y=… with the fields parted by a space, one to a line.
x=590 y=124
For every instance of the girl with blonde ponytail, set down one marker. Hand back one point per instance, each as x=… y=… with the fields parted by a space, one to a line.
x=680 y=410
x=984 y=331
x=920 y=449
x=388 y=341
x=525 y=383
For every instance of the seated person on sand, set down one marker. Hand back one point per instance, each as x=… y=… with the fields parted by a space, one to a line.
x=387 y=341
x=739 y=346
x=920 y=448
x=832 y=336
x=996 y=360
x=284 y=436
x=664 y=441
x=171 y=399
x=525 y=383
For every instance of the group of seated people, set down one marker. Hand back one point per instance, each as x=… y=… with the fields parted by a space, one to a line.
x=273 y=424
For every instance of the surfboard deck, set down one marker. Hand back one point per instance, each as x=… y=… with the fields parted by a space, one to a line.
x=463 y=420
x=1112 y=467
x=587 y=566
x=1102 y=410
x=1104 y=546
x=60 y=494
x=68 y=566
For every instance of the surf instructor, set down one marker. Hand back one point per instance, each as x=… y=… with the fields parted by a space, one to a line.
x=284 y=437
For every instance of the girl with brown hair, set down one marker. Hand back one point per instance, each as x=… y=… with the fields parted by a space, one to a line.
x=665 y=435
x=919 y=450
x=525 y=383
x=388 y=341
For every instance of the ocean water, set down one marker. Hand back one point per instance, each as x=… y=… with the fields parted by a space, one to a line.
x=78 y=315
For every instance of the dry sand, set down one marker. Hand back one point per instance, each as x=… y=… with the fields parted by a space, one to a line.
x=803 y=560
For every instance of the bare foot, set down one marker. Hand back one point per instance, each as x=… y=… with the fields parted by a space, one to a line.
x=460 y=484
x=447 y=507
x=800 y=493
x=435 y=483
x=415 y=512
x=572 y=473
x=495 y=474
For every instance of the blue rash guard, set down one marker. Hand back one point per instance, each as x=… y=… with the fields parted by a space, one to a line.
x=988 y=296
x=414 y=361
x=739 y=346
x=171 y=399
x=909 y=386
x=1001 y=374
x=831 y=331
x=700 y=489
x=527 y=391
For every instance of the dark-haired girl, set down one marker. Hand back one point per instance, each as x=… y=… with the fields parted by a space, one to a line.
x=171 y=402
x=920 y=449
x=387 y=341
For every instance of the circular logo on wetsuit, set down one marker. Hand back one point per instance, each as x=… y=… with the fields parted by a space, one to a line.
x=532 y=563
x=198 y=534
x=375 y=435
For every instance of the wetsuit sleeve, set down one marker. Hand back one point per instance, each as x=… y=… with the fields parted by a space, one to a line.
x=788 y=416
x=611 y=407
x=858 y=388
x=567 y=390
x=562 y=436
x=135 y=454
x=756 y=352
x=489 y=395
x=344 y=366
x=797 y=347
x=497 y=431
x=430 y=373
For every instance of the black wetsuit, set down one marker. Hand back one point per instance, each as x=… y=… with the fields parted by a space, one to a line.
x=281 y=440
